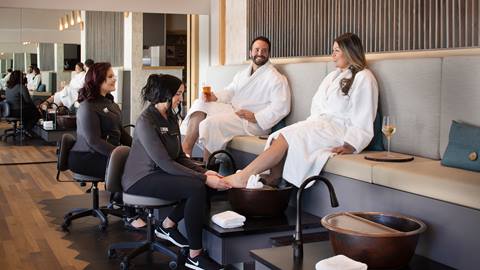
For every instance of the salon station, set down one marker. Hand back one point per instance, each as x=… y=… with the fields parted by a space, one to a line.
x=240 y=134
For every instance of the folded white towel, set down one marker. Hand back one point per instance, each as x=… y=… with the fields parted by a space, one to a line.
x=228 y=219
x=253 y=182
x=340 y=262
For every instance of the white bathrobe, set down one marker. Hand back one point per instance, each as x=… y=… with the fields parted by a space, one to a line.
x=334 y=119
x=265 y=93
x=69 y=94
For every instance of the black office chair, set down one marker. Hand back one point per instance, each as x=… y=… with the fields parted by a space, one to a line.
x=113 y=178
x=15 y=121
x=101 y=213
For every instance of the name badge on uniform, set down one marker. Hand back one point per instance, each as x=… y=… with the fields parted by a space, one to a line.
x=105 y=110
x=163 y=130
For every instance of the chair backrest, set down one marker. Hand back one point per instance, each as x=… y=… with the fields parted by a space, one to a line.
x=66 y=144
x=115 y=167
x=4 y=109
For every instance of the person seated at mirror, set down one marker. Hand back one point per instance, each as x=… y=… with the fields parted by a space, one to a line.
x=99 y=127
x=29 y=75
x=21 y=104
x=69 y=94
x=158 y=167
x=4 y=80
x=35 y=81
x=256 y=100
x=341 y=121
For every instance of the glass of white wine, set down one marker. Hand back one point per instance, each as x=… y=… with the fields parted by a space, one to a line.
x=388 y=129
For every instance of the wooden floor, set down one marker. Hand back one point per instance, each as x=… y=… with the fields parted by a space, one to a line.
x=28 y=238
x=32 y=205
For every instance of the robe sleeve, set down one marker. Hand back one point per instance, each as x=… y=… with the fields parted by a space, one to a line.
x=279 y=106
x=364 y=99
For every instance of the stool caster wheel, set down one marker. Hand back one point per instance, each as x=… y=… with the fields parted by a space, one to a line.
x=173 y=265
x=112 y=253
x=65 y=225
x=102 y=227
x=124 y=265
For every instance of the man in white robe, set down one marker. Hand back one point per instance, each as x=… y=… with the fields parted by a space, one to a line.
x=256 y=100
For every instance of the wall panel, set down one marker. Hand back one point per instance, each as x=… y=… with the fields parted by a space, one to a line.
x=308 y=27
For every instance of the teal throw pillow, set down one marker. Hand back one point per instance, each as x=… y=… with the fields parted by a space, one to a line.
x=463 y=148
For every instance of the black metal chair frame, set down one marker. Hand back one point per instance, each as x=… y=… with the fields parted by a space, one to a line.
x=101 y=213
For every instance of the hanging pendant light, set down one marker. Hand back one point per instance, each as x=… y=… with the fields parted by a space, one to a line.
x=60 y=24
x=79 y=17
x=65 y=22
x=72 y=18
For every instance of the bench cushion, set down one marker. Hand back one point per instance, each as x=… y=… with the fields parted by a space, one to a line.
x=460 y=94
x=410 y=91
x=431 y=179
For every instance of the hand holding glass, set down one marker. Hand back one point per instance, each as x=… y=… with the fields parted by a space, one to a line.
x=388 y=129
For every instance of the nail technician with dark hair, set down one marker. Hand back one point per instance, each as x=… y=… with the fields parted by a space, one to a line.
x=158 y=167
x=99 y=126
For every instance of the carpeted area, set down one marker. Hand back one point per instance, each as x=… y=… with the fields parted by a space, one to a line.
x=91 y=243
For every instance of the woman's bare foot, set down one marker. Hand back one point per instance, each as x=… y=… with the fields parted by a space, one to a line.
x=271 y=180
x=237 y=180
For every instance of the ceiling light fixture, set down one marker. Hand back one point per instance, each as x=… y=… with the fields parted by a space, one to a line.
x=79 y=17
x=72 y=18
x=65 y=22
x=60 y=24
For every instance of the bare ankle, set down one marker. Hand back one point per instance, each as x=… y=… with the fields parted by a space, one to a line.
x=195 y=252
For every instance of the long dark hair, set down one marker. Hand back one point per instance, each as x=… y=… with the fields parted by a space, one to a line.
x=160 y=88
x=353 y=51
x=15 y=78
x=94 y=78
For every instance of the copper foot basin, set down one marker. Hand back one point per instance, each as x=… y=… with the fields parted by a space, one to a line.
x=265 y=202
x=381 y=240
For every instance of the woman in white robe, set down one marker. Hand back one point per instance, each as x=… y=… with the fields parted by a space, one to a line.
x=341 y=122
x=69 y=94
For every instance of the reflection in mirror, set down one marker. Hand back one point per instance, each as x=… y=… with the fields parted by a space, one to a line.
x=164 y=39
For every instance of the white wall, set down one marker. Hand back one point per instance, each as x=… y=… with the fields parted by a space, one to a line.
x=235 y=31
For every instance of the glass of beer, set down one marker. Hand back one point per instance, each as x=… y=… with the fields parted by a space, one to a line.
x=206 y=90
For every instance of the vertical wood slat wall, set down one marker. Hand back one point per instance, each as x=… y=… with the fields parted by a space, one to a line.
x=104 y=35
x=308 y=27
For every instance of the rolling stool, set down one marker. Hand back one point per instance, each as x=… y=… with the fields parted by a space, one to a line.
x=101 y=213
x=113 y=180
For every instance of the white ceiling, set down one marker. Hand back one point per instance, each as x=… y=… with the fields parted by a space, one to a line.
x=35 y=25
x=154 y=6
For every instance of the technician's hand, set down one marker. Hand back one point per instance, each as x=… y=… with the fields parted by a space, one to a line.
x=216 y=182
x=344 y=149
x=209 y=98
x=214 y=173
x=248 y=115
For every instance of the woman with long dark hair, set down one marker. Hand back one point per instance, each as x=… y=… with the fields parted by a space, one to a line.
x=158 y=167
x=341 y=121
x=21 y=104
x=99 y=126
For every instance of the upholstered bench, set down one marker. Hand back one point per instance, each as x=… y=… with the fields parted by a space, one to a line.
x=425 y=95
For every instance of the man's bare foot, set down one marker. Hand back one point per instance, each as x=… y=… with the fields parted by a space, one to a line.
x=237 y=180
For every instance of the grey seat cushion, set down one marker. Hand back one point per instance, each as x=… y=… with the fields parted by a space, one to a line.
x=144 y=201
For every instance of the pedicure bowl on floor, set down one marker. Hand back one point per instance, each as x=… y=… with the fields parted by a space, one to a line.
x=264 y=202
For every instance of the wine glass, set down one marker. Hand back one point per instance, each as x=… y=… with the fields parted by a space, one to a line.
x=388 y=129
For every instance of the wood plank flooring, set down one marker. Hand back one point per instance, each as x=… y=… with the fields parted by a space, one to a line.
x=28 y=238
